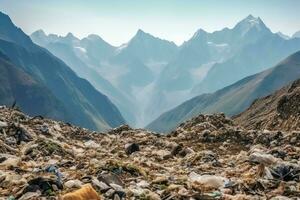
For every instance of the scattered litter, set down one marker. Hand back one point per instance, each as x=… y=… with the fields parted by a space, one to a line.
x=207 y=157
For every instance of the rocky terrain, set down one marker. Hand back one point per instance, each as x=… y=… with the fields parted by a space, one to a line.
x=207 y=157
x=279 y=111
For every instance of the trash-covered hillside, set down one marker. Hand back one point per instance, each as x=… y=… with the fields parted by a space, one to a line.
x=208 y=157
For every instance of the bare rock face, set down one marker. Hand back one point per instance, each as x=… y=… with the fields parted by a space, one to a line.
x=279 y=111
x=207 y=157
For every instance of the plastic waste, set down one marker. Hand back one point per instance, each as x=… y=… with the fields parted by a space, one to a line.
x=210 y=181
x=285 y=172
x=262 y=158
x=85 y=192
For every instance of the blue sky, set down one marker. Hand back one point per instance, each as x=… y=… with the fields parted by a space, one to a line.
x=116 y=21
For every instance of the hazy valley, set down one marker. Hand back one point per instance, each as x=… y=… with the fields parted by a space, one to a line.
x=163 y=75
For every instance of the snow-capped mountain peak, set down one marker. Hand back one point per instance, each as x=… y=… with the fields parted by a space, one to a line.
x=251 y=23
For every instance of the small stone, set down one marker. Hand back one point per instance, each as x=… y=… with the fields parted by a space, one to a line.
x=110 y=178
x=3 y=124
x=117 y=197
x=152 y=196
x=143 y=184
x=160 y=180
x=110 y=193
x=183 y=191
x=9 y=161
x=101 y=185
x=173 y=187
x=131 y=148
x=44 y=129
x=11 y=141
x=116 y=187
x=73 y=184
x=293 y=140
x=91 y=144
x=176 y=149
x=30 y=195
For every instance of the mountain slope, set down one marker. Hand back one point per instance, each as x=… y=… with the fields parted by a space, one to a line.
x=232 y=99
x=121 y=72
x=92 y=49
x=198 y=56
x=296 y=35
x=278 y=111
x=11 y=33
x=142 y=59
x=82 y=56
x=146 y=47
x=251 y=59
x=204 y=48
x=29 y=95
x=284 y=36
x=87 y=107
x=250 y=44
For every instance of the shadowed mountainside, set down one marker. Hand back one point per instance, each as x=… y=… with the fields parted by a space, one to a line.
x=86 y=106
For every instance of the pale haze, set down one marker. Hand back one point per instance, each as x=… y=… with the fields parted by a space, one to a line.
x=117 y=21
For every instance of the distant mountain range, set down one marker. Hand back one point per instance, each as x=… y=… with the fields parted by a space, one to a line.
x=82 y=56
x=43 y=84
x=232 y=99
x=251 y=59
x=145 y=77
x=211 y=61
x=120 y=73
x=153 y=75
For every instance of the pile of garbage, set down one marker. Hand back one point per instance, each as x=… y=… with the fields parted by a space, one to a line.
x=208 y=157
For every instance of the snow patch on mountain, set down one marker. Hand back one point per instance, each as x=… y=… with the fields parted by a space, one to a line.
x=122 y=47
x=199 y=73
x=112 y=73
x=81 y=49
x=156 y=66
